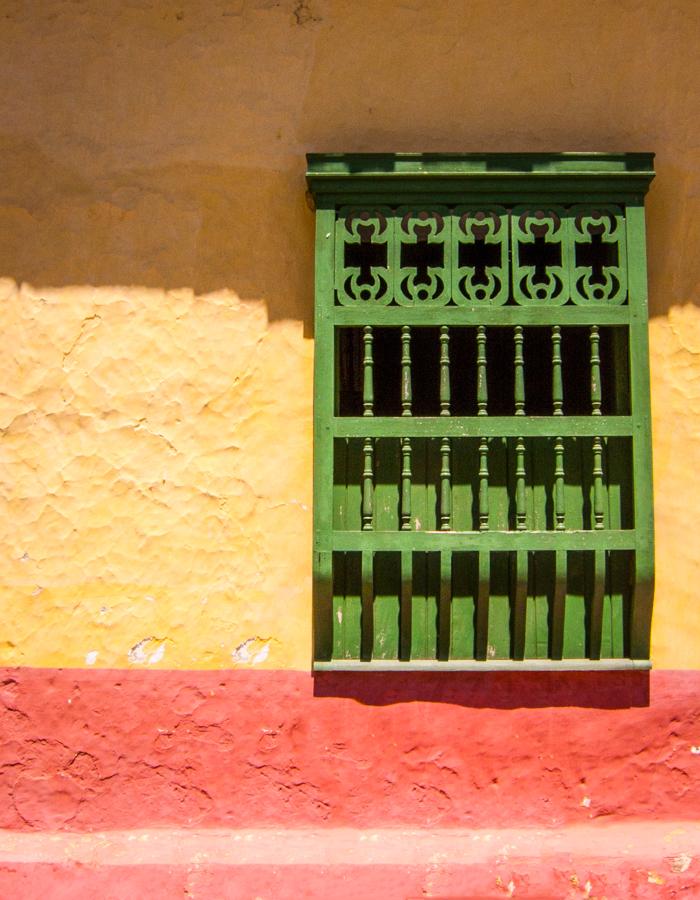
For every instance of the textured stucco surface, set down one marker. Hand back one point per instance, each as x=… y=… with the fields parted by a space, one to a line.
x=92 y=750
x=156 y=256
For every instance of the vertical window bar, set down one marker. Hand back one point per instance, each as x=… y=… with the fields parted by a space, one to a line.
x=519 y=563
x=484 y=485
x=367 y=614
x=595 y=632
x=406 y=480
x=558 y=410
x=481 y=625
x=406 y=410
x=406 y=601
x=519 y=372
x=520 y=511
x=482 y=391
x=559 y=507
x=445 y=485
x=368 y=410
x=368 y=484
x=596 y=392
x=444 y=370
x=406 y=375
x=557 y=383
x=445 y=444
x=598 y=502
x=519 y=361
x=444 y=606
x=482 y=396
x=556 y=643
x=596 y=404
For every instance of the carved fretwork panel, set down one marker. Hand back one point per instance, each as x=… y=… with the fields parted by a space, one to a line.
x=422 y=256
x=599 y=254
x=480 y=255
x=364 y=256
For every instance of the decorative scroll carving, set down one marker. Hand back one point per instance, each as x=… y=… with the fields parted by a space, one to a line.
x=541 y=254
x=363 y=256
x=599 y=255
x=436 y=256
x=480 y=256
x=422 y=254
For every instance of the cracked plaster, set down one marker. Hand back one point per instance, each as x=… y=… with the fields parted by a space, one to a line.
x=156 y=287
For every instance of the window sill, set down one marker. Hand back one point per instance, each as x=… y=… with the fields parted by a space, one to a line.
x=493 y=665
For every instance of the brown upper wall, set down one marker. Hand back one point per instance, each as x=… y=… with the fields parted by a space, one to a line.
x=163 y=146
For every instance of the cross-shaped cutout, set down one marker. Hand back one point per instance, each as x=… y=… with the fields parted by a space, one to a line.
x=422 y=256
x=479 y=256
x=365 y=255
x=540 y=254
x=596 y=255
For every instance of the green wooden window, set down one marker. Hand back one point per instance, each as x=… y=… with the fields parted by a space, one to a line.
x=482 y=483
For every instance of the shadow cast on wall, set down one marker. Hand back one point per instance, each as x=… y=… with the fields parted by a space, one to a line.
x=210 y=227
x=492 y=690
x=182 y=225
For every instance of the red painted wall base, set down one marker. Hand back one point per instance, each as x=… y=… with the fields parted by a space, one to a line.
x=86 y=749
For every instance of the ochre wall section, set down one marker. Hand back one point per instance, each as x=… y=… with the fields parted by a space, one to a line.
x=156 y=301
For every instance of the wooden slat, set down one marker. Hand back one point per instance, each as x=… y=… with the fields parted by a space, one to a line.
x=491 y=665
x=482 y=391
x=367 y=639
x=444 y=612
x=486 y=426
x=405 y=616
x=481 y=638
x=520 y=580
x=595 y=629
x=456 y=316
x=426 y=541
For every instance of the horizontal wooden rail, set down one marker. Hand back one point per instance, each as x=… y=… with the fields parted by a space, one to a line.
x=454 y=316
x=505 y=541
x=482 y=426
x=473 y=665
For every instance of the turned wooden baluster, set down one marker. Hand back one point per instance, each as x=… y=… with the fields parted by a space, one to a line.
x=445 y=443
x=596 y=410
x=558 y=410
x=483 y=485
x=482 y=396
x=482 y=392
x=406 y=410
x=368 y=445
x=520 y=512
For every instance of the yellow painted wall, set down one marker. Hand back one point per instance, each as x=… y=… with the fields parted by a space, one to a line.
x=156 y=253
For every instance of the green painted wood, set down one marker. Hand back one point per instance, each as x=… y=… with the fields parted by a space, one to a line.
x=422 y=255
x=480 y=250
x=387 y=604
x=640 y=613
x=367 y=597
x=491 y=426
x=426 y=541
x=465 y=576
x=481 y=619
x=324 y=403
x=491 y=665
x=444 y=612
x=520 y=564
x=504 y=315
x=488 y=536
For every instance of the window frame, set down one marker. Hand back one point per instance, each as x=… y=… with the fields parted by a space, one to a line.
x=337 y=180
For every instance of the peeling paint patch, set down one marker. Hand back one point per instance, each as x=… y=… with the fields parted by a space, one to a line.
x=146 y=653
x=91 y=658
x=679 y=864
x=254 y=650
